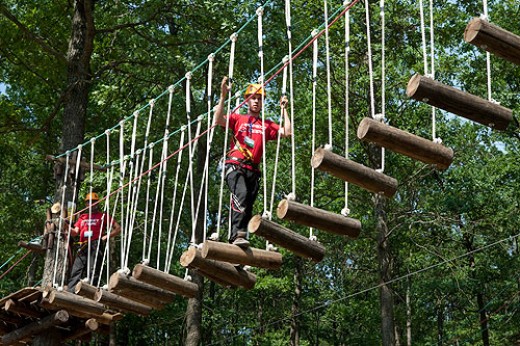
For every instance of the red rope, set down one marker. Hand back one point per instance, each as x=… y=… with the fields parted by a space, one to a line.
x=14 y=265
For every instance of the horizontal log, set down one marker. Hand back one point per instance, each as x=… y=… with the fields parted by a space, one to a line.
x=106 y=318
x=165 y=281
x=318 y=218
x=286 y=238
x=21 y=309
x=35 y=328
x=353 y=172
x=459 y=102
x=90 y=325
x=405 y=143
x=34 y=247
x=86 y=290
x=129 y=287
x=226 y=252
x=66 y=300
x=117 y=302
x=494 y=39
x=223 y=273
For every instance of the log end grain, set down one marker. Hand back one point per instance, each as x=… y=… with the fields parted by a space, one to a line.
x=283 y=206
x=317 y=158
x=254 y=223
x=472 y=29
x=413 y=84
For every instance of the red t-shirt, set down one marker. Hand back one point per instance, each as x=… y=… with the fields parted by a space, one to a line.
x=97 y=223
x=243 y=126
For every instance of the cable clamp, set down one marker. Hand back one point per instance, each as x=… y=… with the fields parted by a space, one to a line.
x=188 y=75
x=484 y=17
x=145 y=261
x=291 y=196
x=437 y=140
x=233 y=37
x=247 y=268
x=187 y=277
x=271 y=247
x=267 y=215
x=260 y=11
x=214 y=236
x=492 y=100
x=125 y=271
x=151 y=102
x=171 y=89
x=345 y=211
x=315 y=32
x=211 y=57
x=379 y=117
x=313 y=238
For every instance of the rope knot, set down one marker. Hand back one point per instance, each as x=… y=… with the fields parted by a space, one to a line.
x=260 y=11
x=345 y=211
x=271 y=247
x=171 y=89
x=313 y=238
x=233 y=37
x=211 y=57
x=291 y=196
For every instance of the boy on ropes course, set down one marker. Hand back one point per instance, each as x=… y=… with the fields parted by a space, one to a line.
x=90 y=227
x=243 y=159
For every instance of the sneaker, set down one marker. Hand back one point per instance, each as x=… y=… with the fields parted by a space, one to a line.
x=241 y=242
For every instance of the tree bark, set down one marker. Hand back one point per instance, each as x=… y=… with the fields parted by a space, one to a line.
x=295 y=309
x=440 y=322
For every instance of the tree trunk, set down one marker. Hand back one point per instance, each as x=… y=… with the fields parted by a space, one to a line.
x=408 y=315
x=74 y=114
x=385 y=269
x=440 y=322
x=295 y=309
x=484 y=327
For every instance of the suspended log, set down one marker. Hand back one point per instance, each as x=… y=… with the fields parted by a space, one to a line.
x=317 y=218
x=106 y=318
x=131 y=288
x=405 y=143
x=286 y=238
x=459 y=102
x=225 y=252
x=21 y=309
x=35 y=328
x=85 y=289
x=493 y=39
x=120 y=303
x=66 y=300
x=37 y=248
x=221 y=272
x=90 y=325
x=353 y=172
x=165 y=281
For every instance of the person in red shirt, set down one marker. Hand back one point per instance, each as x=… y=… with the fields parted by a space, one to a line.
x=91 y=226
x=243 y=159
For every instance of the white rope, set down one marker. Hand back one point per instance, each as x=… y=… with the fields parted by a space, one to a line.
x=432 y=68
x=60 y=223
x=327 y=64
x=370 y=69
x=423 y=38
x=259 y=13
x=346 y=210
x=291 y=96
x=314 y=85
x=148 y=185
x=107 y=201
x=211 y=131
x=485 y=16
x=169 y=247
x=191 y=152
x=122 y=164
x=383 y=77
x=233 y=39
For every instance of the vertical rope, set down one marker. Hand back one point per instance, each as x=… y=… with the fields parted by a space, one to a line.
x=346 y=211
x=314 y=85
x=485 y=16
x=423 y=38
x=432 y=67
x=327 y=64
x=233 y=39
x=370 y=69
x=259 y=13
x=60 y=223
x=211 y=58
x=190 y=153
x=122 y=164
x=107 y=201
x=292 y=195
x=383 y=76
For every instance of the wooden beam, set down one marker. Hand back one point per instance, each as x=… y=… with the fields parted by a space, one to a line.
x=223 y=273
x=134 y=289
x=86 y=290
x=226 y=252
x=37 y=248
x=66 y=300
x=493 y=39
x=286 y=238
x=405 y=143
x=165 y=281
x=318 y=218
x=21 y=309
x=35 y=328
x=122 y=304
x=459 y=102
x=90 y=325
x=354 y=173
x=106 y=318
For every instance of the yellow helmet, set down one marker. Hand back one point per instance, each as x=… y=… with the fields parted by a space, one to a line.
x=254 y=89
x=92 y=197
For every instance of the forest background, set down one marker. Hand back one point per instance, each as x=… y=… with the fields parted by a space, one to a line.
x=443 y=268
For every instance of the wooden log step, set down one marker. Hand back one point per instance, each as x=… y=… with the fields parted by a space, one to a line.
x=226 y=252
x=165 y=281
x=286 y=238
x=405 y=143
x=89 y=326
x=66 y=300
x=353 y=172
x=117 y=302
x=459 y=102
x=26 y=332
x=129 y=287
x=106 y=318
x=223 y=273
x=318 y=218
x=86 y=290
x=494 y=39
x=21 y=309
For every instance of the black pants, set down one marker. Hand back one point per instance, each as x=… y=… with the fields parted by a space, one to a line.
x=79 y=268
x=243 y=184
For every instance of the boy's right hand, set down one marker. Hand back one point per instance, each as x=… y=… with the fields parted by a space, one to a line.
x=224 y=87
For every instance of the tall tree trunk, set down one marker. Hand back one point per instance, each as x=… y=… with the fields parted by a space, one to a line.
x=78 y=81
x=295 y=309
x=385 y=267
x=484 y=327
x=408 y=313
x=440 y=322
